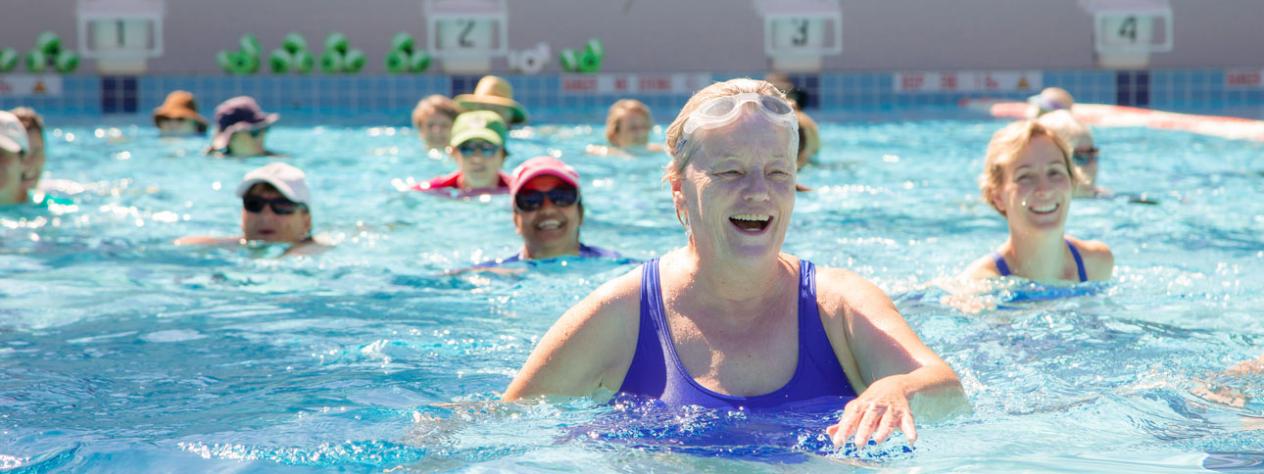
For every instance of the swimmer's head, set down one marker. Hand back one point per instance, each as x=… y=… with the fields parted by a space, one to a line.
x=275 y=204
x=1083 y=150
x=714 y=107
x=628 y=123
x=809 y=139
x=241 y=126
x=479 y=148
x=14 y=149
x=178 y=115
x=1049 y=100
x=1005 y=145
x=495 y=94
x=547 y=207
x=33 y=165
x=433 y=117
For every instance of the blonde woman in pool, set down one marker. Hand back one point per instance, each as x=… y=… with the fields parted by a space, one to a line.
x=729 y=319
x=628 y=126
x=1028 y=178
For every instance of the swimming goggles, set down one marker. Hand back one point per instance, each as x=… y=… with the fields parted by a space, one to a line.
x=280 y=206
x=722 y=111
x=561 y=196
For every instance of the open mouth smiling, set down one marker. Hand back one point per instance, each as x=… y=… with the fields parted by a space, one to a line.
x=753 y=223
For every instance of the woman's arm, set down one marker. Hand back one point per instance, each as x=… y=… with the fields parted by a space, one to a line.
x=901 y=376
x=588 y=348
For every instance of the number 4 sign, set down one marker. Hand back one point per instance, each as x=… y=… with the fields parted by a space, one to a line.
x=1131 y=26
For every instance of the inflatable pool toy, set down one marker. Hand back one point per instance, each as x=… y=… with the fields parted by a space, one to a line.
x=331 y=62
x=294 y=43
x=587 y=62
x=47 y=53
x=339 y=57
x=8 y=60
x=66 y=62
x=530 y=61
x=404 y=58
x=304 y=62
x=281 y=61
x=590 y=61
x=1105 y=115
x=36 y=61
x=245 y=60
x=292 y=56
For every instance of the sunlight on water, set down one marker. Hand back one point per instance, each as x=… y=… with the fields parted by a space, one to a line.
x=119 y=349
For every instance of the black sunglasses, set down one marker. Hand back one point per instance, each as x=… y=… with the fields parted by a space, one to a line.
x=280 y=206
x=482 y=148
x=561 y=196
x=254 y=132
x=1084 y=157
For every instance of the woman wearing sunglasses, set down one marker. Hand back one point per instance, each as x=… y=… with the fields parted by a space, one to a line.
x=1083 y=152
x=729 y=321
x=274 y=209
x=240 y=129
x=478 y=146
x=1028 y=178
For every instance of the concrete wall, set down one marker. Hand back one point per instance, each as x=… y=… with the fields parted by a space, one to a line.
x=691 y=35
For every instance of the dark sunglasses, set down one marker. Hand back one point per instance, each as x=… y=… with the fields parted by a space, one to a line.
x=254 y=132
x=1084 y=157
x=280 y=206
x=561 y=196
x=482 y=148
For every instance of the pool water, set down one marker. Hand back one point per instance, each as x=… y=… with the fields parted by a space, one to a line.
x=122 y=352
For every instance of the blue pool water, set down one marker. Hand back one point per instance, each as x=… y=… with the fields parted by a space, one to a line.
x=122 y=352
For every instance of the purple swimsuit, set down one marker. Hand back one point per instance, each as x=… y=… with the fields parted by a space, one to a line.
x=657 y=372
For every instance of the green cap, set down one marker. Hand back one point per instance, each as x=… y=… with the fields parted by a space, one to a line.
x=482 y=124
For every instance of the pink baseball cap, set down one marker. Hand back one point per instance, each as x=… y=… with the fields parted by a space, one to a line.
x=543 y=166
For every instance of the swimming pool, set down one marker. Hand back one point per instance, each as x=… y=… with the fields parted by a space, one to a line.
x=119 y=351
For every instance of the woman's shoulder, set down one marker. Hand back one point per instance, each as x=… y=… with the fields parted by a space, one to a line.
x=1099 y=261
x=839 y=291
x=610 y=308
x=982 y=268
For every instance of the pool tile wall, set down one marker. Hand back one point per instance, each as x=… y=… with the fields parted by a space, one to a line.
x=391 y=97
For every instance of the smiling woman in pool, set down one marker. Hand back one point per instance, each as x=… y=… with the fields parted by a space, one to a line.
x=1028 y=178
x=729 y=320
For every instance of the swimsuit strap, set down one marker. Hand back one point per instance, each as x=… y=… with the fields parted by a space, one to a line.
x=1079 y=262
x=1001 y=267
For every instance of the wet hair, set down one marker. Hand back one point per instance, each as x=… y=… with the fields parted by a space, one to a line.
x=1007 y=143
x=619 y=110
x=680 y=155
x=434 y=104
x=31 y=120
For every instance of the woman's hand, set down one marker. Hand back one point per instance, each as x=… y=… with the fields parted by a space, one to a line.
x=877 y=412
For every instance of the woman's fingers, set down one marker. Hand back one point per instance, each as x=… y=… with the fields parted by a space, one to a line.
x=846 y=424
x=908 y=427
x=869 y=420
x=886 y=425
x=873 y=413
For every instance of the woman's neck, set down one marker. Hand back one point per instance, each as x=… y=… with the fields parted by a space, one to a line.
x=1038 y=256
x=736 y=286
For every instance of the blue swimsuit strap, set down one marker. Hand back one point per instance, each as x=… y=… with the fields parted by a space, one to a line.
x=1079 y=262
x=1003 y=268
